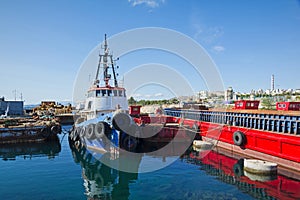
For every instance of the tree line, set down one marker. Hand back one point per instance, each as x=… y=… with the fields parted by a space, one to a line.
x=143 y=102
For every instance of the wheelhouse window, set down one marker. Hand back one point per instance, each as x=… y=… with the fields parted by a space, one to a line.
x=115 y=93
x=281 y=105
x=108 y=92
x=98 y=93
x=120 y=93
x=90 y=104
x=103 y=92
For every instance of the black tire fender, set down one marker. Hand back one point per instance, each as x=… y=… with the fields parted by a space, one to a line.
x=90 y=132
x=239 y=138
x=82 y=132
x=101 y=129
x=55 y=129
x=129 y=143
x=121 y=121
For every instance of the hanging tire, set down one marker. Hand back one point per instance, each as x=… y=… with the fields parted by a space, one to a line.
x=90 y=132
x=55 y=129
x=76 y=131
x=82 y=132
x=77 y=144
x=101 y=129
x=239 y=138
x=129 y=143
x=121 y=121
x=75 y=134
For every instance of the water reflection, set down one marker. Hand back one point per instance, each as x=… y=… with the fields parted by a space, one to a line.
x=103 y=182
x=48 y=149
x=230 y=170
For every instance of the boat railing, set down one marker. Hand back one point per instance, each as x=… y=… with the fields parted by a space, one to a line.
x=266 y=122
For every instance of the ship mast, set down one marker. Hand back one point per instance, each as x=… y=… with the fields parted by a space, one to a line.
x=104 y=58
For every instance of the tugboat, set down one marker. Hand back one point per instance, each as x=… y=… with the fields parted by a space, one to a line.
x=104 y=121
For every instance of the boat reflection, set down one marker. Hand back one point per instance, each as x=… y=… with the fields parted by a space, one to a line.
x=48 y=149
x=100 y=180
x=230 y=170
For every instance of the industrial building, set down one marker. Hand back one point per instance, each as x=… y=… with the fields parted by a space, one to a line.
x=11 y=108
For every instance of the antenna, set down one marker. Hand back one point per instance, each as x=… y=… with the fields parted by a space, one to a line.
x=105 y=42
x=105 y=63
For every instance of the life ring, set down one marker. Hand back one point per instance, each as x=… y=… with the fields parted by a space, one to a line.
x=101 y=129
x=129 y=143
x=55 y=129
x=89 y=132
x=239 y=138
x=121 y=121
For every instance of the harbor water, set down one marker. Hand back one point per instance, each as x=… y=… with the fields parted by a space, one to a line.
x=54 y=170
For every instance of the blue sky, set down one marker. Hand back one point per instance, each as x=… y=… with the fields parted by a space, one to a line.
x=43 y=43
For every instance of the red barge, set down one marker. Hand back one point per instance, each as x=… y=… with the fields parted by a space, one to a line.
x=268 y=135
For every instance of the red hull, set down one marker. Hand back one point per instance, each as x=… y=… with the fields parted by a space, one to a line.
x=282 y=148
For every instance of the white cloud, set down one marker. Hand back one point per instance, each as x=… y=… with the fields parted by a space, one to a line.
x=137 y=95
x=148 y=95
x=212 y=34
x=198 y=31
x=207 y=34
x=219 y=48
x=158 y=95
x=148 y=3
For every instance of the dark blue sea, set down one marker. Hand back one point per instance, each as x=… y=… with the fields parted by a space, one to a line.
x=53 y=170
